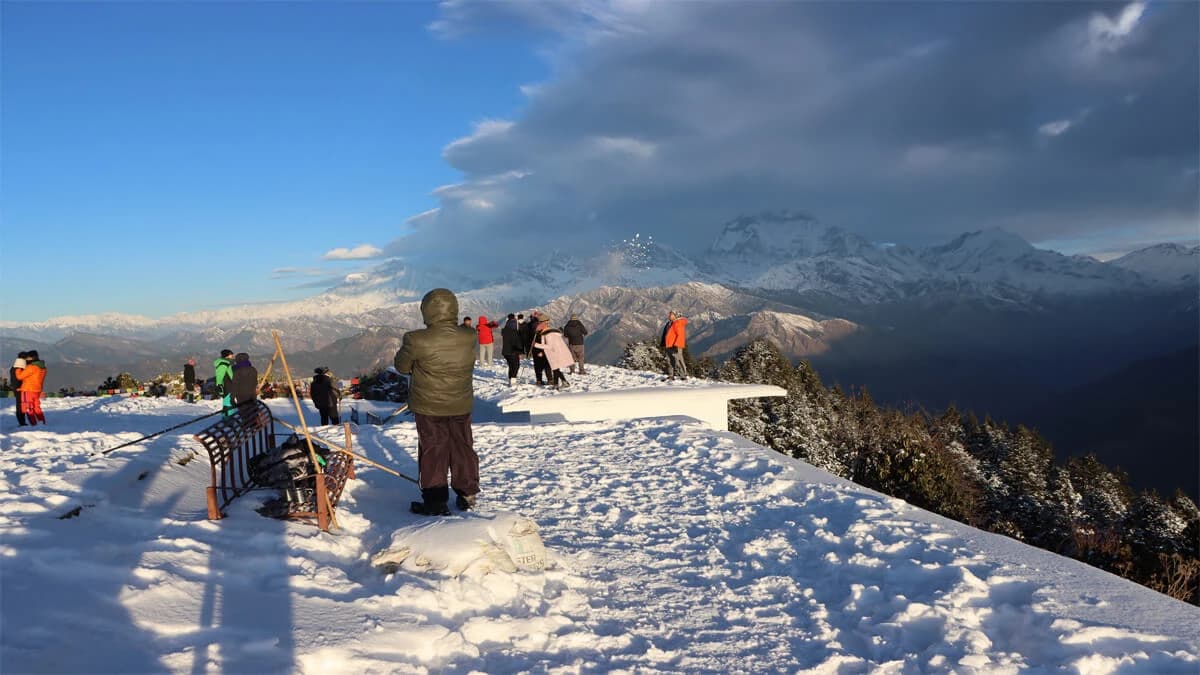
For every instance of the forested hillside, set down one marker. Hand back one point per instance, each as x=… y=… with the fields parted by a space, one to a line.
x=980 y=472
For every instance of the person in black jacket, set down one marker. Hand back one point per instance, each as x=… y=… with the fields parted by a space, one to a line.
x=325 y=395
x=245 y=380
x=526 y=331
x=512 y=348
x=18 y=363
x=189 y=381
x=575 y=331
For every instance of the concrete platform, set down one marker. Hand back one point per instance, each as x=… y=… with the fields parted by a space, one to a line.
x=708 y=404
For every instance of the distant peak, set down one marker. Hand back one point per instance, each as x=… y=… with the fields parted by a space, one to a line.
x=774 y=234
x=993 y=240
x=1165 y=248
x=748 y=221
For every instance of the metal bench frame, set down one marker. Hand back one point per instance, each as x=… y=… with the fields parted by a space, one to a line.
x=250 y=431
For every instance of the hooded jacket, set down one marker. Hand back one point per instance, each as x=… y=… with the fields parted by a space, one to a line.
x=440 y=358
x=574 y=331
x=244 y=384
x=485 y=330
x=555 y=345
x=223 y=374
x=32 y=375
x=511 y=335
x=324 y=393
x=677 y=334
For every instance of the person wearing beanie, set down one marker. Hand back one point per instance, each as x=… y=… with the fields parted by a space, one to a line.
x=441 y=362
x=244 y=385
x=541 y=366
x=223 y=367
x=325 y=395
x=18 y=364
x=189 y=381
x=31 y=377
x=574 y=332
x=556 y=354
x=512 y=348
x=528 y=329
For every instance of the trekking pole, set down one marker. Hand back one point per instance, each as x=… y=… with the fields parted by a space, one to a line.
x=397 y=411
x=355 y=455
x=160 y=433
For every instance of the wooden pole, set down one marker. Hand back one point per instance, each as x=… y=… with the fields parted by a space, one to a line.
x=357 y=456
x=267 y=374
x=349 y=445
x=325 y=516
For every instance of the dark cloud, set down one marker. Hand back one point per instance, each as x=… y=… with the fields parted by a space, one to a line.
x=906 y=122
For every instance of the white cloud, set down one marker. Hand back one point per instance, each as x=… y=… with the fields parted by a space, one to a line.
x=422 y=216
x=626 y=146
x=293 y=272
x=1107 y=33
x=489 y=128
x=1100 y=35
x=1055 y=128
x=360 y=252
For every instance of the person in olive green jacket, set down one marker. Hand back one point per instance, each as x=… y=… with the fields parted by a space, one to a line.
x=441 y=361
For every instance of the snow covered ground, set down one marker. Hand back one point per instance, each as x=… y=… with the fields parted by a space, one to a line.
x=671 y=548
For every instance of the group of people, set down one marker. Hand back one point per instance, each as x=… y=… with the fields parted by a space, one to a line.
x=551 y=349
x=29 y=370
x=236 y=382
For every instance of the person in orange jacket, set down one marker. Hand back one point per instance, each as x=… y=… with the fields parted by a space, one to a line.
x=32 y=376
x=674 y=340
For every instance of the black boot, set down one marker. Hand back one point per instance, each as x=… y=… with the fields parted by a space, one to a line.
x=430 y=508
x=464 y=503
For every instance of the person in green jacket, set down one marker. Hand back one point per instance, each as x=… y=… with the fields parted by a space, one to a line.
x=441 y=361
x=224 y=379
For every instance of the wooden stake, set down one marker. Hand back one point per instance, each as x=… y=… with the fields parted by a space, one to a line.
x=357 y=456
x=267 y=374
x=325 y=517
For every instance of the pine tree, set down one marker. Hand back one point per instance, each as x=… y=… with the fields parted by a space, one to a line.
x=643 y=355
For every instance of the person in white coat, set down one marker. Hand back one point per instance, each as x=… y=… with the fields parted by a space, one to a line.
x=558 y=353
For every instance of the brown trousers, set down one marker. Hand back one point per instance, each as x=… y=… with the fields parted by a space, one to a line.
x=444 y=443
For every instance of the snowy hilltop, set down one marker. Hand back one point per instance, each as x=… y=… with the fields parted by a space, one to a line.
x=670 y=547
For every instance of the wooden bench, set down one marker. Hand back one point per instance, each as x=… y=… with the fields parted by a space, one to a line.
x=249 y=432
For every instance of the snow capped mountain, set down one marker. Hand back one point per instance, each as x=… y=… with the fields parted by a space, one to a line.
x=789 y=251
x=784 y=252
x=1167 y=264
x=1001 y=264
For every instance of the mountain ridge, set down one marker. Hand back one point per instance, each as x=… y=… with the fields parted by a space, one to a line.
x=778 y=251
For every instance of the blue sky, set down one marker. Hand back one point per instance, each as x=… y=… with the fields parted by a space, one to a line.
x=163 y=157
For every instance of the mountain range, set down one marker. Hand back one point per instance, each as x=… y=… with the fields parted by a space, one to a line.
x=782 y=275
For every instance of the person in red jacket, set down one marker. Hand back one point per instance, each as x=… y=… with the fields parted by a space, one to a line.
x=32 y=376
x=674 y=340
x=486 y=341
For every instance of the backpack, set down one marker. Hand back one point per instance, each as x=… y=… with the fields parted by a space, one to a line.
x=289 y=470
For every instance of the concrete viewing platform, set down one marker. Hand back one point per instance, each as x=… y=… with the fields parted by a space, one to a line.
x=709 y=404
